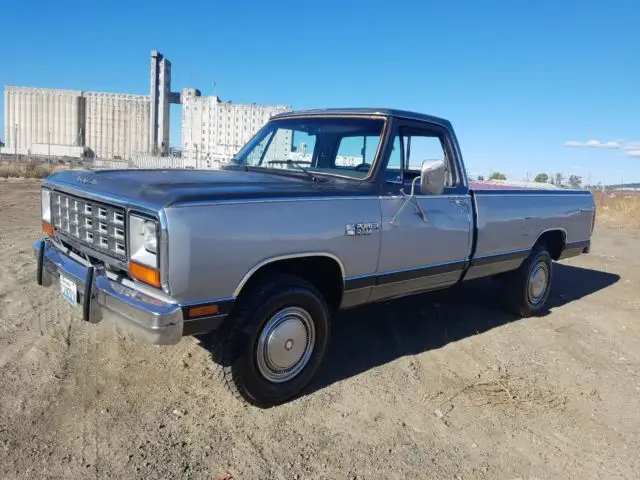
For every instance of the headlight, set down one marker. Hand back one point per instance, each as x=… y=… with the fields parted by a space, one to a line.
x=143 y=241
x=46 y=205
x=150 y=236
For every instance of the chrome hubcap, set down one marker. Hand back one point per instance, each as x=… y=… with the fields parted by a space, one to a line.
x=285 y=344
x=538 y=280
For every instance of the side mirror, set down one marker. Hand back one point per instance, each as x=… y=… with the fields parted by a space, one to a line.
x=432 y=176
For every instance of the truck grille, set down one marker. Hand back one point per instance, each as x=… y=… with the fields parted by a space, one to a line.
x=96 y=225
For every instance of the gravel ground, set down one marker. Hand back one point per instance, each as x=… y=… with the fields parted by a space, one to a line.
x=443 y=385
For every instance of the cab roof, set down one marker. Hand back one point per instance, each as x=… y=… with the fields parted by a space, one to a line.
x=383 y=112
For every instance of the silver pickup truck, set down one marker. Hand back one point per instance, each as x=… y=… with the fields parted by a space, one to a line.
x=321 y=210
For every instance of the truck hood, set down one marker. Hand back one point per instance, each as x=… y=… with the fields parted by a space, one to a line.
x=156 y=189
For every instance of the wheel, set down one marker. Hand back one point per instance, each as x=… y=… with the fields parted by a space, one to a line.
x=527 y=288
x=274 y=340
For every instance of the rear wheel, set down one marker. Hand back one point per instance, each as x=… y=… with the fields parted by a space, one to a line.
x=274 y=341
x=527 y=289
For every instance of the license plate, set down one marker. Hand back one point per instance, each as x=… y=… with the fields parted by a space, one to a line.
x=68 y=290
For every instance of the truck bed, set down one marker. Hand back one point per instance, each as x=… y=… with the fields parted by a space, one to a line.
x=510 y=219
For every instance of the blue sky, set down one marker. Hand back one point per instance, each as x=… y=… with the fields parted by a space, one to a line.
x=517 y=79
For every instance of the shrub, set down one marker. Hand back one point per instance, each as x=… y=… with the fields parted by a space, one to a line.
x=26 y=170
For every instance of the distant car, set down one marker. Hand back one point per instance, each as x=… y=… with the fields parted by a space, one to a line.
x=320 y=211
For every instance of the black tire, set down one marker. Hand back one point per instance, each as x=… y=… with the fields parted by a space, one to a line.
x=518 y=296
x=237 y=349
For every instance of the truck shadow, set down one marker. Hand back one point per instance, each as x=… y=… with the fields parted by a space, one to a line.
x=364 y=338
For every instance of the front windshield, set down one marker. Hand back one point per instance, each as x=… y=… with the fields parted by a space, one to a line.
x=336 y=146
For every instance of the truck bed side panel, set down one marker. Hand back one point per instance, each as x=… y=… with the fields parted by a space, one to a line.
x=510 y=222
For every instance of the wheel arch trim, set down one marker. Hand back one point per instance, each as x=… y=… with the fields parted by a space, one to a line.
x=548 y=230
x=291 y=256
x=565 y=241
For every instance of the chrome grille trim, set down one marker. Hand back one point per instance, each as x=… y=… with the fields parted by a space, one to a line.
x=94 y=224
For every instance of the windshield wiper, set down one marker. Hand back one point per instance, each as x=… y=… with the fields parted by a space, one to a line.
x=295 y=164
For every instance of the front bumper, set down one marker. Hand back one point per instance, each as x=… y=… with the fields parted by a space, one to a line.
x=149 y=319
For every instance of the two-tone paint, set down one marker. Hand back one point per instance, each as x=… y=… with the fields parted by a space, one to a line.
x=219 y=228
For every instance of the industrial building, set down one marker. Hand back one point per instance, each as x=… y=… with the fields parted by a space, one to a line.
x=36 y=117
x=116 y=125
x=75 y=123
x=46 y=121
x=213 y=130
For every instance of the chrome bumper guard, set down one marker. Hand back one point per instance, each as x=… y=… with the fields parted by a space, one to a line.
x=149 y=319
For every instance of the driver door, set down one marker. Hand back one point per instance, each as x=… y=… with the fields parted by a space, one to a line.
x=415 y=254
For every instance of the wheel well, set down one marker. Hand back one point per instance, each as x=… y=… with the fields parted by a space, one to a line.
x=322 y=272
x=554 y=242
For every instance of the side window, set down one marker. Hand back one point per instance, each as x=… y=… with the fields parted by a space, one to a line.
x=419 y=148
x=411 y=147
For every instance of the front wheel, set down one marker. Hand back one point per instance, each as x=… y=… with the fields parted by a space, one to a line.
x=275 y=340
x=526 y=290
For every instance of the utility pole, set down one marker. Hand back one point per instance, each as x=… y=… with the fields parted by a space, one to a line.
x=15 y=139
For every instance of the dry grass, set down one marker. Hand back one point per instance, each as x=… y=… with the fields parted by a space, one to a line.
x=27 y=170
x=621 y=209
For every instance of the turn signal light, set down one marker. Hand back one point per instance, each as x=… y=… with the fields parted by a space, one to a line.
x=47 y=228
x=201 y=311
x=145 y=274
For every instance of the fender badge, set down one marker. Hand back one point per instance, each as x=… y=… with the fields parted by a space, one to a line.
x=83 y=179
x=356 y=229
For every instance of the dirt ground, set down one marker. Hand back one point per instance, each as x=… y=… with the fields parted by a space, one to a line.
x=444 y=385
